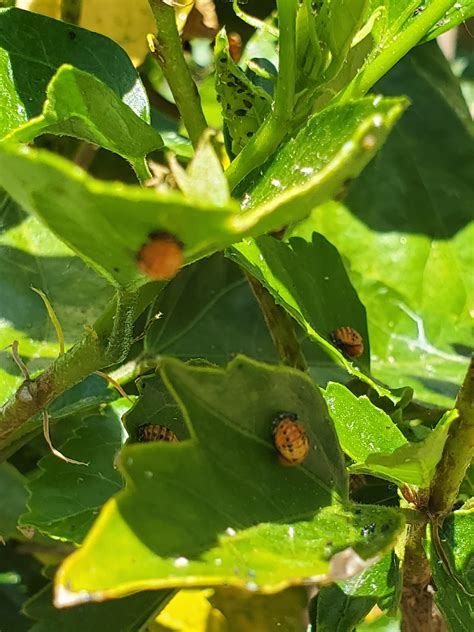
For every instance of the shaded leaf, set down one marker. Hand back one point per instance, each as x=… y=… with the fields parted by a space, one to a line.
x=80 y=105
x=64 y=499
x=309 y=280
x=198 y=320
x=244 y=105
x=81 y=398
x=199 y=311
x=121 y=615
x=230 y=416
x=261 y=613
x=407 y=235
x=341 y=606
x=20 y=577
x=456 y=537
x=13 y=494
x=123 y=215
x=32 y=47
x=32 y=256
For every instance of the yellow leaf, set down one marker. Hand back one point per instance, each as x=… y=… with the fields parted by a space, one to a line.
x=51 y=8
x=190 y=611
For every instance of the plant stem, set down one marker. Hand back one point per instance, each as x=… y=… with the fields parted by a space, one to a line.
x=169 y=53
x=458 y=452
x=393 y=51
x=107 y=343
x=275 y=128
x=280 y=327
x=416 y=603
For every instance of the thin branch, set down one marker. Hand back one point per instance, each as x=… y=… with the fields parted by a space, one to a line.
x=56 y=452
x=114 y=383
x=167 y=49
x=280 y=326
x=54 y=319
x=105 y=344
x=18 y=361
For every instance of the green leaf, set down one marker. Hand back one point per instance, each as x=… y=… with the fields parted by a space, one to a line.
x=341 y=606
x=362 y=428
x=197 y=320
x=411 y=463
x=229 y=415
x=33 y=47
x=373 y=441
x=204 y=178
x=13 y=494
x=394 y=28
x=456 y=537
x=244 y=105
x=407 y=234
x=338 y=612
x=64 y=499
x=32 y=257
x=337 y=24
x=198 y=316
x=121 y=615
x=81 y=210
x=309 y=280
x=335 y=145
x=84 y=212
x=80 y=105
x=380 y=624
x=267 y=557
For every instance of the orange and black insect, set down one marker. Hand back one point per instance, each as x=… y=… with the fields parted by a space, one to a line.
x=155 y=432
x=235 y=46
x=290 y=439
x=161 y=257
x=349 y=341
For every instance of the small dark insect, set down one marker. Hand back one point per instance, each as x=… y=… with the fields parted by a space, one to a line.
x=349 y=341
x=290 y=439
x=161 y=257
x=155 y=432
x=241 y=112
x=72 y=35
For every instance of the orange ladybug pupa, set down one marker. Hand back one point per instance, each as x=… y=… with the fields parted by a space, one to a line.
x=290 y=439
x=161 y=257
x=349 y=341
x=155 y=432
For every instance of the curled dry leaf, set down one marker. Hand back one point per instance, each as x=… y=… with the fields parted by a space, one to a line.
x=202 y=21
